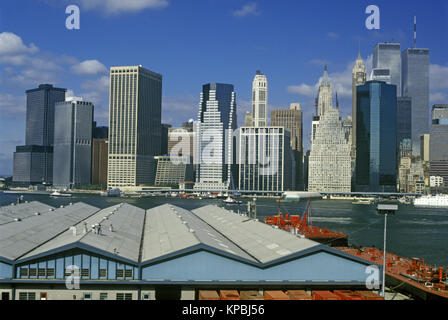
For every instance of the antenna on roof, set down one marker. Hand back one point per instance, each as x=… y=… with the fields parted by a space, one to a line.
x=415 y=32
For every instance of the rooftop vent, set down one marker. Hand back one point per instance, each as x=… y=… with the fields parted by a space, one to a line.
x=61 y=206
x=51 y=209
x=84 y=229
x=17 y=219
x=70 y=204
x=111 y=228
x=73 y=228
x=36 y=213
x=191 y=230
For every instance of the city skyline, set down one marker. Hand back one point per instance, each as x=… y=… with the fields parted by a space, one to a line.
x=81 y=65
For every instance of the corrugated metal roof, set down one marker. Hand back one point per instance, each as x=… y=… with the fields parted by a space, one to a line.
x=170 y=228
x=19 y=238
x=22 y=211
x=124 y=239
x=260 y=240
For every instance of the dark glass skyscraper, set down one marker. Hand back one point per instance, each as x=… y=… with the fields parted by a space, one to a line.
x=33 y=163
x=415 y=84
x=376 y=143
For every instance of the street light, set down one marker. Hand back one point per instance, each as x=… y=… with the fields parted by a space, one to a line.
x=385 y=209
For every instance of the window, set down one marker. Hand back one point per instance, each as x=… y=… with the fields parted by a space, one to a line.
x=103 y=296
x=50 y=273
x=43 y=296
x=33 y=272
x=87 y=296
x=128 y=273
x=23 y=272
x=103 y=273
x=146 y=296
x=41 y=272
x=85 y=273
x=27 y=296
x=120 y=273
x=124 y=296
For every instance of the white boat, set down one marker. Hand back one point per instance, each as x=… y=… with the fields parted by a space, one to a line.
x=230 y=200
x=362 y=202
x=439 y=200
x=58 y=194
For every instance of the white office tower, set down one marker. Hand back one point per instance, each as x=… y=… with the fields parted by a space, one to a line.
x=325 y=97
x=330 y=161
x=135 y=106
x=388 y=56
x=265 y=159
x=260 y=100
x=216 y=122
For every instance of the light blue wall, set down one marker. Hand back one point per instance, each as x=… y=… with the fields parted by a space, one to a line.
x=5 y=271
x=207 y=266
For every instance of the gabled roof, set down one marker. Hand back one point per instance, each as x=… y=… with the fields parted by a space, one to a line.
x=21 y=237
x=22 y=211
x=257 y=239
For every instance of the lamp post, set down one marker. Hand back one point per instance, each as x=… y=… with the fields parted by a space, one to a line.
x=385 y=209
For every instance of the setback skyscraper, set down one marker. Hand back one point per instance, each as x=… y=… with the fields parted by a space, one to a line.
x=376 y=142
x=216 y=122
x=415 y=72
x=260 y=100
x=134 y=126
x=438 y=142
x=387 y=56
x=330 y=161
x=33 y=163
x=72 y=161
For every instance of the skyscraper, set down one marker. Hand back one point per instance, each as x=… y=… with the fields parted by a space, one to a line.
x=376 y=141
x=248 y=119
x=33 y=163
x=72 y=161
x=100 y=152
x=404 y=125
x=134 y=126
x=387 y=56
x=325 y=95
x=330 y=161
x=438 y=142
x=359 y=77
x=415 y=72
x=265 y=160
x=291 y=120
x=260 y=100
x=216 y=122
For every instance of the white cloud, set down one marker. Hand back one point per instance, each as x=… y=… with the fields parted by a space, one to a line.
x=13 y=106
x=113 y=7
x=89 y=67
x=438 y=97
x=247 y=10
x=438 y=77
x=304 y=90
x=11 y=44
x=176 y=108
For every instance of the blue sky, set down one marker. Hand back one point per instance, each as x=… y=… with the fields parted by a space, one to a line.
x=192 y=42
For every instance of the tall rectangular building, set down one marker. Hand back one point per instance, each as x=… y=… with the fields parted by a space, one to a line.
x=99 y=161
x=216 y=122
x=291 y=120
x=376 y=141
x=135 y=106
x=388 y=56
x=39 y=137
x=415 y=73
x=265 y=160
x=404 y=125
x=72 y=160
x=438 y=142
x=260 y=100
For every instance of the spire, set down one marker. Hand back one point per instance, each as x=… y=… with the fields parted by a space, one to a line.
x=325 y=74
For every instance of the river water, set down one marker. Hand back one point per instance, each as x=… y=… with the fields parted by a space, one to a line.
x=412 y=232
